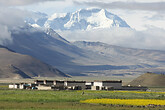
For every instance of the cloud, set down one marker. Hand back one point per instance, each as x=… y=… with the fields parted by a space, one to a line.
x=152 y=38
x=5 y=35
x=9 y=19
x=12 y=17
x=147 y=6
x=22 y=2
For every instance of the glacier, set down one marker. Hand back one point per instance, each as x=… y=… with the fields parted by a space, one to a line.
x=83 y=19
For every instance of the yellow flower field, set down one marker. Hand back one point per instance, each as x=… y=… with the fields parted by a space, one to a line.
x=137 y=102
x=137 y=92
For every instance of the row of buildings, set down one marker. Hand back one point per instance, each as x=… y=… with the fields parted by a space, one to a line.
x=74 y=85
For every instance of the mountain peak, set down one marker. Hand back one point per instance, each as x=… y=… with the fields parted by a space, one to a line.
x=89 y=10
x=57 y=15
x=83 y=19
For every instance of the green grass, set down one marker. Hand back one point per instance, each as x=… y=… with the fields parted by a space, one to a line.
x=4 y=86
x=69 y=96
x=66 y=106
x=66 y=100
x=157 y=89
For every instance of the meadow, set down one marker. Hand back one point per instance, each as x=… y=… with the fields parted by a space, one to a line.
x=72 y=100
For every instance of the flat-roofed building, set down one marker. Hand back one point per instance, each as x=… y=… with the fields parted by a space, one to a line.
x=27 y=86
x=39 y=81
x=88 y=85
x=59 y=83
x=107 y=85
x=75 y=85
x=23 y=85
x=14 y=86
x=49 y=82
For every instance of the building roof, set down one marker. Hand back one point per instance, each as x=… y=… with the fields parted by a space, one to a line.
x=39 y=81
x=109 y=81
x=76 y=81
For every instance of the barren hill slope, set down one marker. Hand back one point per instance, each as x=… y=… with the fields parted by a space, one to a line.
x=149 y=79
x=14 y=65
x=84 y=58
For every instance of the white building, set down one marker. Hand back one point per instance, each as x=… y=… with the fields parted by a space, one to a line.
x=13 y=86
x=106 y=85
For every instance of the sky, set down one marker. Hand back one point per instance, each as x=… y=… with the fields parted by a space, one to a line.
x=137 y=13
x=146 y=18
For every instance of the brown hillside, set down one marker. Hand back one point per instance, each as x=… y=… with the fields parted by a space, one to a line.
x=149 y=79
x=14 y=65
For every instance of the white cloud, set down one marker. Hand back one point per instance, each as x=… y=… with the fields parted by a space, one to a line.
x=129 y=5
x=51 y=7
x=5 y=35
x=10 y=18
x=21 y=2
x=152 y=38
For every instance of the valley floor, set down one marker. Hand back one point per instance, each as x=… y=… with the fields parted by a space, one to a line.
x=71 y=100
x=66 y=106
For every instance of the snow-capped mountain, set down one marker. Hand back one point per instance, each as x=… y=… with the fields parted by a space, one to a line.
x=37 y=19
x=83 y=19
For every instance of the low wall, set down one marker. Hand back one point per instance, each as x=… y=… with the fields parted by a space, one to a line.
x=133 y=88
x=44 y=88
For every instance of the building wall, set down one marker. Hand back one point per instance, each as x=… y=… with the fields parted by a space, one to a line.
x=58 y=83
x=22 y=86
x=89 y=83
x=98 y=84
x=11 y=86
x=14 y=86
x=115 y=85
x=71 y=84
x=50 y=82
x=44 y=88
x=133 y=88
x=39 y=82
x=47 y=82
x=75 y=84
x=96 y=87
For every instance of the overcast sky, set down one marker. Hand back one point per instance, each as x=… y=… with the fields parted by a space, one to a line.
x=137 y=13
x=146 y=18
